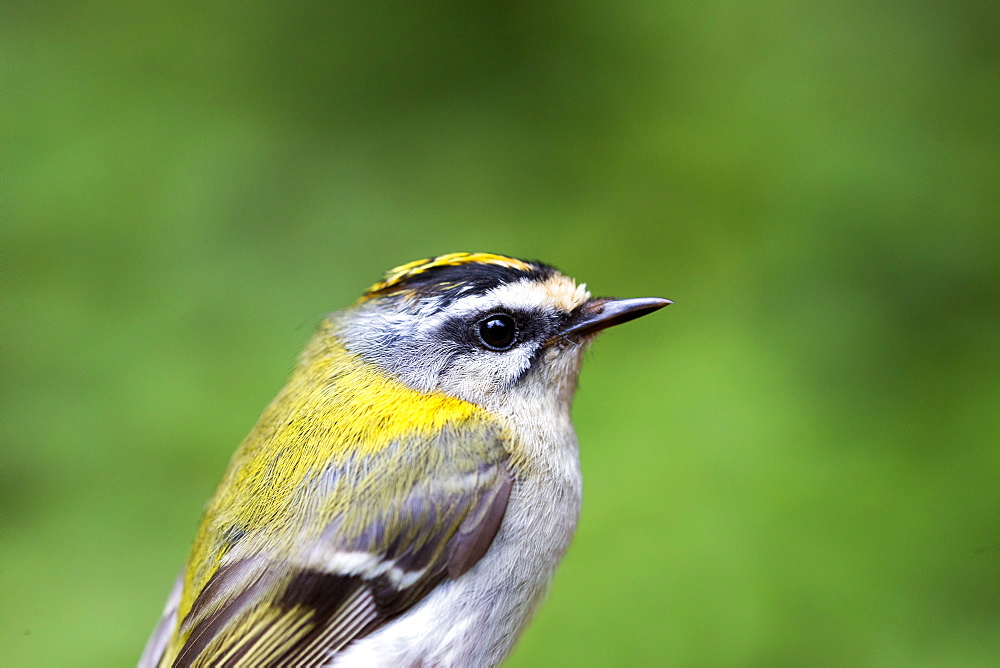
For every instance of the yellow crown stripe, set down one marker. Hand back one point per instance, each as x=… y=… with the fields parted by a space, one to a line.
x=399 y=274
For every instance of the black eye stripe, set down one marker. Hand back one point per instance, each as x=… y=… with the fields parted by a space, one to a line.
x=529 y=326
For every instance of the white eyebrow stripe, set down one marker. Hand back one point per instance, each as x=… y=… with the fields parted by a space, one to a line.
x=557 y=293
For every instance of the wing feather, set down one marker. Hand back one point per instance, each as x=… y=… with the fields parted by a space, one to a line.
x=374 y=560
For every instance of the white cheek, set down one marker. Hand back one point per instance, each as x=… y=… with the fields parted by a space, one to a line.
x=478 y=376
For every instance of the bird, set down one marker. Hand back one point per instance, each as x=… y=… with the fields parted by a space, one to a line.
x=407 y=496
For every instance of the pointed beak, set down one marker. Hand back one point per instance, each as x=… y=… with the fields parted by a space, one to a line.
x=598 y=314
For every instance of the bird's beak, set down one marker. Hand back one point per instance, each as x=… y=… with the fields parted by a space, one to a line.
x=601 y=313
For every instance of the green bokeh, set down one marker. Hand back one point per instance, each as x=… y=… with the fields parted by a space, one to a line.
x=798 y=463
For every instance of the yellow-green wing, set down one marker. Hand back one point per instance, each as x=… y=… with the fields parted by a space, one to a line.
x=297 y=592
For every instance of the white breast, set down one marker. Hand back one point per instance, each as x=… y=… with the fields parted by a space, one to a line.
x=476 y=619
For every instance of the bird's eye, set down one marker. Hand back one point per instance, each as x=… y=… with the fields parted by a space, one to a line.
x=498 y=331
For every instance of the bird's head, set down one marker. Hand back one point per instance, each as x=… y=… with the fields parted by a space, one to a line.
x=485 y=328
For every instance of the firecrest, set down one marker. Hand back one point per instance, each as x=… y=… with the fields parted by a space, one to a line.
x=408 y=495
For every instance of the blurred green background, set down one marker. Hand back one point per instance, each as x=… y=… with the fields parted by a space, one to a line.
x=798 y=463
